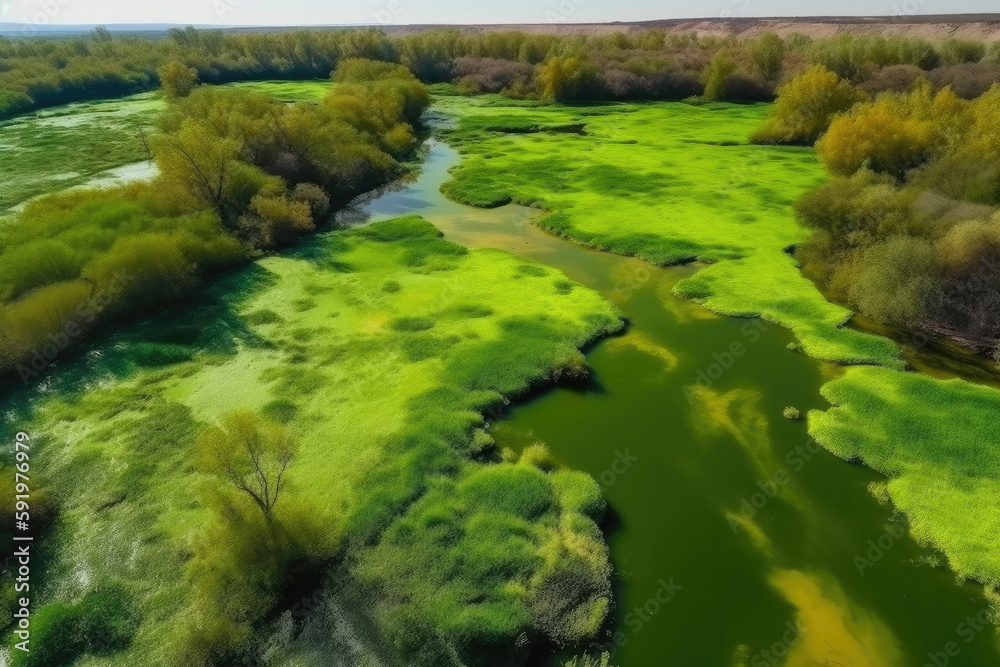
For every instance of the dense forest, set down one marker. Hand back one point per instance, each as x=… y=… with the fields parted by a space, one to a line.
x=654 y=64
x=239 y=173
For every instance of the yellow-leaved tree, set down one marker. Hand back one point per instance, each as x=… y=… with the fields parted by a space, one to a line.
x=805 y=107
x=894 y=133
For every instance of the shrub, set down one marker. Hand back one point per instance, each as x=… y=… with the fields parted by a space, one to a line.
x=102 y=622
x=490 y=75
x=957 y=51
x=177 y=79
x=767 y=53
x=714 y=77
x=890 y=135
x=806 y=106
x=561 y=78
x=967 y=80
x=894 y=78
x=792 y=414
x=895 y=281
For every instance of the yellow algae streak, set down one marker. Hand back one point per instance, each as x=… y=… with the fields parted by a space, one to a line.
x=646 y=345
x=833 y=631
x=753 y=530
x=682 y=309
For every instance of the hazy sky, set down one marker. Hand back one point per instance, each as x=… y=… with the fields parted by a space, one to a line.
x=327 y=12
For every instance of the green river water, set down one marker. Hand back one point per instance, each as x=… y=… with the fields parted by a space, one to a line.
x=735 y=540
x=819 y=575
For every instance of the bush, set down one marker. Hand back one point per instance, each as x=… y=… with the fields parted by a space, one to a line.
x=892 y=135
x=894 y=78
x=490 y=75
x=102 y=622
x=714 y=77
x=767 y=53
x=895 y=281
x=957 y=51
x=806 y=106
x=562 y=78
x=968 y=81
x=177 y=79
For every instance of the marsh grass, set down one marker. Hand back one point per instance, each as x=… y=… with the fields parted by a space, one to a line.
x=390 y=431
x=936 y=442
x=669 y=183
x=93 y=137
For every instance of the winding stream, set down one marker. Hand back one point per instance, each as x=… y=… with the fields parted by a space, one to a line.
x=736 y=541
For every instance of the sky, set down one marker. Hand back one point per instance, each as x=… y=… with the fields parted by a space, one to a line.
x=337 y=12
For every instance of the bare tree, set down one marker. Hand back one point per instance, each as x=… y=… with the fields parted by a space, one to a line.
x=249 y=453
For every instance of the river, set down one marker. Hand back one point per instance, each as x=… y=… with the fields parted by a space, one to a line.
x=736 y=540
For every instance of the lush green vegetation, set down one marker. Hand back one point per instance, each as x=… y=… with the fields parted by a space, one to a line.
x=391 y=455
x=645 y=65
x=936 y=442
x=694 y=191
x=908 y=233
x=238 y=172
x=92 y=138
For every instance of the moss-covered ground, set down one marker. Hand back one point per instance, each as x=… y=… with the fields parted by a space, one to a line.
x=936 y=441
x=70 y=145
x=674 y=183
x=380 y=348
x=669 y=183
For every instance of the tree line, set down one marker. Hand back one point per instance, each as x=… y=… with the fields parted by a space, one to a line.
x=908 y=230
x=240 y=173
x=652 y=64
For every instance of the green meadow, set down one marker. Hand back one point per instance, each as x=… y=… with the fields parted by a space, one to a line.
x=669 y=183
x=935 y=441
x=72 y=145
x=381 y=347
x=674 y=183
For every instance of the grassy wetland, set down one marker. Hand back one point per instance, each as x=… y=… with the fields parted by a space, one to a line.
x=407 y=374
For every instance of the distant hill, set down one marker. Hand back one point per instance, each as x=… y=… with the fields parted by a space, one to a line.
x=984 y=27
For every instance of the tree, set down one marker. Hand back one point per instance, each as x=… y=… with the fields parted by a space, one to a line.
x=202 y=162
x=805 y=107
x=893 y=134
x=718 y=69
x=563 y=77
x=177 y=79
x=249 y=453
x=767 y=53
